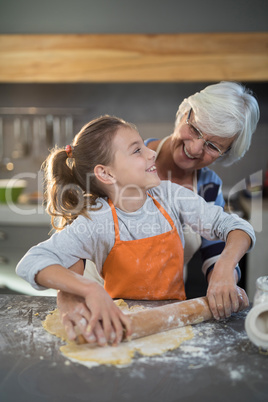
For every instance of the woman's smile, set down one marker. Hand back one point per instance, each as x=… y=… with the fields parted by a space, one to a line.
x=187 y=153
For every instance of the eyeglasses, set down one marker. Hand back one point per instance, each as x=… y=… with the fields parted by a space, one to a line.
x=196 y=134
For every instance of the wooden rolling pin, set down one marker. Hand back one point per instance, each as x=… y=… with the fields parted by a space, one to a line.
x=158 y=319
x=169 y=316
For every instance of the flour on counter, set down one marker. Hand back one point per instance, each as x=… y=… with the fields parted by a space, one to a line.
x=121 y=355
x=204 y=350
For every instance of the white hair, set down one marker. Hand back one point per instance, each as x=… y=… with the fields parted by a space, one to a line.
x=227 y=110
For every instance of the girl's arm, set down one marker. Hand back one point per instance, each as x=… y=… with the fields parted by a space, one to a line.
x=74 y=314
x=224 y=296
x=104 y=320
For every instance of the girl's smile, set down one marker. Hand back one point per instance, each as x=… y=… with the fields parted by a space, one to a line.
x=152 y=169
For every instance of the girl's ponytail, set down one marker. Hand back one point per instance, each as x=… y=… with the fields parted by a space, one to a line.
x=64 y=196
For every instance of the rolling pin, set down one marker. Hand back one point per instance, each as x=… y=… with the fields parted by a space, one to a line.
x=159 y=319
x=169 y=316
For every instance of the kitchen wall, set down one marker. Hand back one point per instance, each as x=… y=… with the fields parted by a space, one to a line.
x=152 y=107
x=128 y=16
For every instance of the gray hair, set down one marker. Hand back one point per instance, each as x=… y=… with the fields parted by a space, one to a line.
x=227 y=110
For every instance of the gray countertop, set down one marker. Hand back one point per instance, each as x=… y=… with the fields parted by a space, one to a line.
x=24 y=215
x=218 y=364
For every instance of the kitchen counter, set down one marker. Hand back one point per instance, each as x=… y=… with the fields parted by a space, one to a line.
x=218 y=364
x=24 y=214
x=21 y=227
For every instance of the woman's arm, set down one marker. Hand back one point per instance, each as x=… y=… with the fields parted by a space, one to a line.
x=224 y=296
x=209 y=187
x=104 y=320
x=211 y=222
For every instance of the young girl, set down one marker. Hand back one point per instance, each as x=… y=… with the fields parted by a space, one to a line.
x=109 y=206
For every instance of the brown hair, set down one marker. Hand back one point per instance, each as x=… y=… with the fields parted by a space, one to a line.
x=71 y=186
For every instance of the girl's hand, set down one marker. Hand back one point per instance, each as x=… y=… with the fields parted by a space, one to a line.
x=73 y=311
x=224 y=296
x=107 y=322
x=75 y=314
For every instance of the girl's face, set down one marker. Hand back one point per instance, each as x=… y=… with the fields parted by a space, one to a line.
x=189 y=153
x=133 y=167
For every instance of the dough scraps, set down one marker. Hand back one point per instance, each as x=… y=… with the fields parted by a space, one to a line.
x=122 y=354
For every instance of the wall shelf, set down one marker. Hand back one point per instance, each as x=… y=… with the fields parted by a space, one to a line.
x=133 y=57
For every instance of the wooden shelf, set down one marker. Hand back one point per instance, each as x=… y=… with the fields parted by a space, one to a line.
x=134 y=57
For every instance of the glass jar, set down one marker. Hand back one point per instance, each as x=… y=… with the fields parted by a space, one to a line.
x=256 y=323
x=261 y=294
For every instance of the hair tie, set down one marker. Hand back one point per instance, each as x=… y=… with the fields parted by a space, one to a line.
x=69 y=151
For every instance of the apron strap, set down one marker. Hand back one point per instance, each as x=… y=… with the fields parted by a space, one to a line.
x=115 y=218
x=163 y=211
x=116 y=225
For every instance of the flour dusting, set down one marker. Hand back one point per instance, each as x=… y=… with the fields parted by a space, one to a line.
x=206 y=350
x=219 y=346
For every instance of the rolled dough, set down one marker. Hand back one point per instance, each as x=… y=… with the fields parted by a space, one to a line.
x=123 y=353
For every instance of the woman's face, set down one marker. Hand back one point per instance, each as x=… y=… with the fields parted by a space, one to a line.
x=190 y=153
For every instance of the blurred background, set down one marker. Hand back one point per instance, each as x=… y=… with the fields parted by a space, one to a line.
x=37 y=113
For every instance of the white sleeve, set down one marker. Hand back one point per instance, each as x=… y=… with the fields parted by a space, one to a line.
x=63 y=248
x=210 y=221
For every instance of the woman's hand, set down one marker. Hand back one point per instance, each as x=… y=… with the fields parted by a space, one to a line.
x=224 y=296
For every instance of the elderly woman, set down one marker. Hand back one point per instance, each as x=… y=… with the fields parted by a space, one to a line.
x=213 y=125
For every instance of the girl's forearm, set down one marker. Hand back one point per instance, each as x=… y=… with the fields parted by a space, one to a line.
x=60 y=278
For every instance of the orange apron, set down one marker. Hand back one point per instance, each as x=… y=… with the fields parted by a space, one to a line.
x=145 y=269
